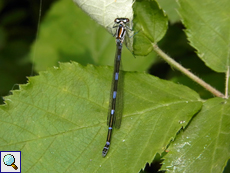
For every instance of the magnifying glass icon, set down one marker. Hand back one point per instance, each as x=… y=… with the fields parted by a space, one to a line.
x=9 y=160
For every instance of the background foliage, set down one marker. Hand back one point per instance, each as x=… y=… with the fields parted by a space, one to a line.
x=18 y=27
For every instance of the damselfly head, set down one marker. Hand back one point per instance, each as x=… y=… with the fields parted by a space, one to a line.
x=119 y=20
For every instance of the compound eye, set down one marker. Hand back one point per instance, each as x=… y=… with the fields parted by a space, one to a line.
x=117 y=20
x=126 y=20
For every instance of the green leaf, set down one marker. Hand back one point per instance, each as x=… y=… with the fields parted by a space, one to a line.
x=170 y=7
x=58 y=120
x=67 y=33
x=204 y=145
x=208 y=24
x=150 y=23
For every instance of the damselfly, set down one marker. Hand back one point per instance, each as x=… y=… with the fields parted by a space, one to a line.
x=120 y=24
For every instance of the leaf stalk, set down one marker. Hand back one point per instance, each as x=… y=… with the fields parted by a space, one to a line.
x=185 y=71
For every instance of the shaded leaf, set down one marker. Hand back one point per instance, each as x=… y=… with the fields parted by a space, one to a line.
x=151 y=24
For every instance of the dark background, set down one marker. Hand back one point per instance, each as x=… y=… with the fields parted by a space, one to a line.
x=18 y=27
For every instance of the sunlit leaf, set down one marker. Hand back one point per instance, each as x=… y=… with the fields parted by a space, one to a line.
x=204 y=145
x=104 y=12
x=58 y=120
x=208 y=24
x=170 y=7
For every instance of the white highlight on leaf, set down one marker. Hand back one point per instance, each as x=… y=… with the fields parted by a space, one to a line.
x=181 y=122
x=105 y=11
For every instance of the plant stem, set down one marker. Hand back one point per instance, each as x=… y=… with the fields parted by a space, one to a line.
x=226 y=83
x=179 y=67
